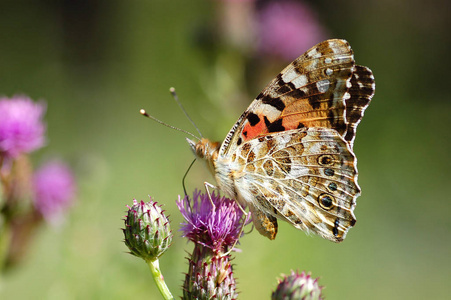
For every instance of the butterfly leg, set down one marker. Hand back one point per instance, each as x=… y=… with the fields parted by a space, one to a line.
x=207 y=185
x=241 y=208
x=245 y=215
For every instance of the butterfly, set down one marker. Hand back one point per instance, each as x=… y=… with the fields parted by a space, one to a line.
x=290 y=154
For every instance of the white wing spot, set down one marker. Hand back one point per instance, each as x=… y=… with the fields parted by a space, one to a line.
x=283 y=140
x=300 y=81
x=328 y=60
x=298 y=171
x=313 y=53
x=346 y=96
x=269 y=111
x=322 y=85
x=336 y=47
x=329 y=71
x=289 y=76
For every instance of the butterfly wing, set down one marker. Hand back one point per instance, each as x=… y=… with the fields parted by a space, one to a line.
x=319 y=89
x=265 y=223
x=307 y=177
x=289 y=155
x=360 y=94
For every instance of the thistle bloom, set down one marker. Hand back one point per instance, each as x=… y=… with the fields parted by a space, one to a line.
x=21 y=126
x=217 y=229
x=54 y=189
x=214 y=231
x=298 y=286
x=288 y=28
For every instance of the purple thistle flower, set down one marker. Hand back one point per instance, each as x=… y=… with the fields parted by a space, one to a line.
x=288 y=28
x=54 y=189
x=216 y=229
x=21 y=126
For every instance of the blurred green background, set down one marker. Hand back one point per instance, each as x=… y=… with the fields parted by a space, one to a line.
x=96 y=63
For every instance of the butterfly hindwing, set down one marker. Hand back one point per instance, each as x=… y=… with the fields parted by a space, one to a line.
x=265 y=223
x=305 y=176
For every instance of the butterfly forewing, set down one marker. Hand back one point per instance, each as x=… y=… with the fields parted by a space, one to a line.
x=361 y=91
x=310 y=92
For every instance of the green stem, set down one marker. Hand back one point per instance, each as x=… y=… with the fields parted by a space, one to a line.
x=159 y=280
x=5 y=240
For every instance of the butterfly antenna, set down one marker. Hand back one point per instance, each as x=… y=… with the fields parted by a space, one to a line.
x=184 y=177
x=145 y=114
x=176 y=98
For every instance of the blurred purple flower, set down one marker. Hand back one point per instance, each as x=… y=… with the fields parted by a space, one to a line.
x=21 y=126
x=288 y=28
x=216 y=229
x=54 y=188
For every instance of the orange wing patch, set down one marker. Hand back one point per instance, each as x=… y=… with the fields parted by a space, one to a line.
x=252 y=131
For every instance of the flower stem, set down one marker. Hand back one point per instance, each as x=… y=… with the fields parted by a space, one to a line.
x=159 y=279
x=5 y=240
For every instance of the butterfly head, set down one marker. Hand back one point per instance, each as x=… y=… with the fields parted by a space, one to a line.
x=206 y=150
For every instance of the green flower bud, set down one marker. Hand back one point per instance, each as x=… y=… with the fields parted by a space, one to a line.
x=297 y=287
x=147 y=231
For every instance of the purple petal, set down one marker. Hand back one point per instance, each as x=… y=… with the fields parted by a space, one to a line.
x=216 y=229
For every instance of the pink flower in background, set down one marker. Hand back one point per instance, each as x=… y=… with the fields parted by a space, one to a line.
x=288 y=29
x=54 y=188
x=21 y=126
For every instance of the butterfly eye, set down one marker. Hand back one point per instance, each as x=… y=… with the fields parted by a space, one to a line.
x=326 y=201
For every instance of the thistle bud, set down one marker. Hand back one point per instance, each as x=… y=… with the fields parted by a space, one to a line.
x=209 y=276
x=147 y=231
x=297 y=287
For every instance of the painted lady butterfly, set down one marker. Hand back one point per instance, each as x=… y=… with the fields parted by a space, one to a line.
x=290 y=154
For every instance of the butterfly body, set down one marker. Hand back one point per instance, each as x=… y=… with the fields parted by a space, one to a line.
x=289 y=156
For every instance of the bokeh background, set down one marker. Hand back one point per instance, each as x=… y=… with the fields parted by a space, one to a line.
x=96 y=63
